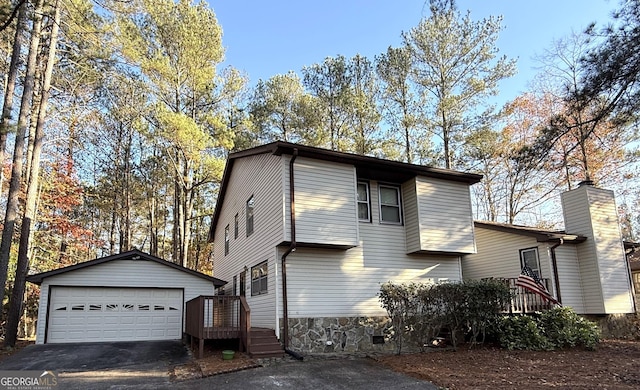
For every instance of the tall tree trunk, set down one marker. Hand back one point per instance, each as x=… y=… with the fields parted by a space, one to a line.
x=153 y=226
x=113 y=224
x=127 y=194
x=33 y=120
x=17 y=294
x=11 y=213
x=12 y=75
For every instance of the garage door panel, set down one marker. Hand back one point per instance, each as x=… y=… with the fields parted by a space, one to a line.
x=114 y=314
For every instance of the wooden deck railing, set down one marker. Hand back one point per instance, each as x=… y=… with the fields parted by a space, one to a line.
x=210 y=317
x=524 y=301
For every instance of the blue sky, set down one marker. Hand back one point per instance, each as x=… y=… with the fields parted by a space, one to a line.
x=264 y=38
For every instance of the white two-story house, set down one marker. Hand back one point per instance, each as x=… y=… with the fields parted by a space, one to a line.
x=308 y=235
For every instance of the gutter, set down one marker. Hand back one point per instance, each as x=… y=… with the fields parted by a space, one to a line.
x=554 y=264
x=292 y=248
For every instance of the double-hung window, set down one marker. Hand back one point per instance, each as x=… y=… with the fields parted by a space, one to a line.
x=250 y=209
x=364 y=205
x=259 y=279
x=529 y=258
x=390 y=204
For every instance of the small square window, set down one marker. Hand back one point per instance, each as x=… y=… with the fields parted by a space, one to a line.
x=250 y=209
x=364 y=205
x=390 y=204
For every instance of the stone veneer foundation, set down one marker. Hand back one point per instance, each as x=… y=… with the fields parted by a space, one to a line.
x=339 y=334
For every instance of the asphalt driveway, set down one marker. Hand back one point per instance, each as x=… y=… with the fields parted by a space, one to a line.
x=146 y=365
x=311 y=374
x=143 y=364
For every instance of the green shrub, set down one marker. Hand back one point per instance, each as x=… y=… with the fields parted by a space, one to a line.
x=399 y=300
x=564 y=328
x=419 y=312
x=521 y=332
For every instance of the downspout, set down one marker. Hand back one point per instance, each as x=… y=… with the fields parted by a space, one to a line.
x=554 y=264
x=292 y=248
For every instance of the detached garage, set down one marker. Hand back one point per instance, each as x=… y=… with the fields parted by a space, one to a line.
x=131 y=296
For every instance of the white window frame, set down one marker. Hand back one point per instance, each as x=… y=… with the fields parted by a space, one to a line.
x=367 y=201
x=534 y=249
x=380 y=204
x=251 y=206
x=259 y=279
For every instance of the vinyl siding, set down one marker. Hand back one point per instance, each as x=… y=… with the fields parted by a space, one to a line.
x=324 y=282
x=325 y=202
x=411 y=213
x=262 y=177
x=591 y=212
x=571 y=291
x=445 y=217
x=122 y=273
x=499 y=255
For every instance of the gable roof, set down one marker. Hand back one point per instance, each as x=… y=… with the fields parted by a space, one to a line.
x=541 y=235
x=130 y=255
x=366 y=167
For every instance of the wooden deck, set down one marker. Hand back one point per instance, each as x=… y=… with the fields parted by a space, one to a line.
x=218 y=317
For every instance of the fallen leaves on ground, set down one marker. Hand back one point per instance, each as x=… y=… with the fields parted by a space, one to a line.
x=614 y=365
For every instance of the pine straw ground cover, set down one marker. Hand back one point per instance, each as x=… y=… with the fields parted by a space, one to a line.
x=614 y=365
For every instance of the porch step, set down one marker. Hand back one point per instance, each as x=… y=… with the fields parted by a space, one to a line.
x=264 y=343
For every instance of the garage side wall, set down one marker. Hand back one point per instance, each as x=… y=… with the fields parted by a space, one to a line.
x=122 y=273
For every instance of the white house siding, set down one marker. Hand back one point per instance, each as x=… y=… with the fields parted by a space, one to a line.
x=262 y=177
x=411 y=219
x=499 y=255
x=446 y=220
x=122 y=273
x=325 y=202
x=591 y=212
x=345 y=283
x=571 y=291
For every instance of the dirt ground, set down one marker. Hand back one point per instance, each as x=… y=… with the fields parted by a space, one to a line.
x=614 y=365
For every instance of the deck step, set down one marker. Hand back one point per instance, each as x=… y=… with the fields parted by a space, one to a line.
x=264 y=343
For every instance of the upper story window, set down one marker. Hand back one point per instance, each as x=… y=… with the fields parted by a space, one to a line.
x=364 y=205
x=259 y=279
x=235 y=226
x=529 y=258
x=390 y=204
x=250 y=209
x=226 y=240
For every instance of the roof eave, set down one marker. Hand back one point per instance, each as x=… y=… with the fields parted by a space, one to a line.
x=280 y=148
x=132 y=254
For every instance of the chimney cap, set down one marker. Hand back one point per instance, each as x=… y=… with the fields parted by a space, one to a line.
x=589 y=183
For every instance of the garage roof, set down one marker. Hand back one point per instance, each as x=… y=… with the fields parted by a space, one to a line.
x=134 y=255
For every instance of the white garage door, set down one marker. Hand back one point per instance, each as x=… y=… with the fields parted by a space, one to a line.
x=79 y=314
